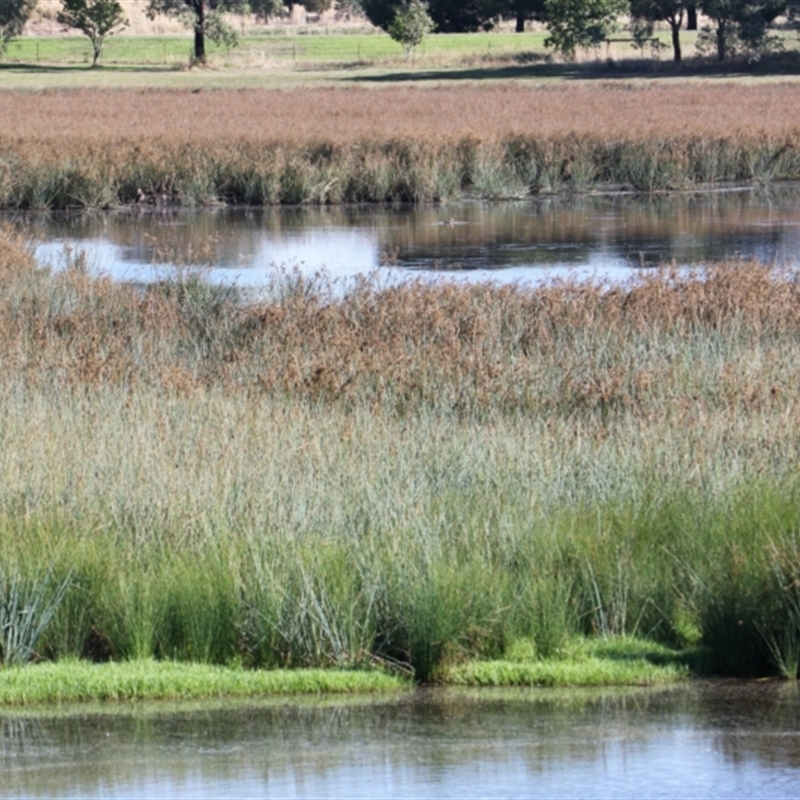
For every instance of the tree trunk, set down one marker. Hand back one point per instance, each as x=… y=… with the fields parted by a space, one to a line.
x=520 y=22
x=97 y=46
x=200 y=33
x=676 y=41
x=721 y=51
x=691 y=17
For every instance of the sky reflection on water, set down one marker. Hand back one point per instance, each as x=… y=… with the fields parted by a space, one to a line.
x=702 y=740
x=605 y=236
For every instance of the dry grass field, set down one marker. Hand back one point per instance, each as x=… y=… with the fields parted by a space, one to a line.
x=472 y=349
x=349 y=113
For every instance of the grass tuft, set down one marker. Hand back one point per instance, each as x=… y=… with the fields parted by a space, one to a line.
x=69 y=681
x=617 y=662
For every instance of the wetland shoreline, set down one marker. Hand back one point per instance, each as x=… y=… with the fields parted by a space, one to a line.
x=615 y=662
x=394 y=171
x=412 y=145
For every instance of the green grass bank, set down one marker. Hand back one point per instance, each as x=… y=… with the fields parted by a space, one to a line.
x=425 y=476
x=581 y=662
x=355 y=49
x=81 y=681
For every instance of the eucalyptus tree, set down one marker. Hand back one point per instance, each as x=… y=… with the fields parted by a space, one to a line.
x=645 y=13
x=204 y=18
x=523 y=10
x=573 y=24
x=740 y=25
x=449 y=16
x=411 y=25
x=94 y=18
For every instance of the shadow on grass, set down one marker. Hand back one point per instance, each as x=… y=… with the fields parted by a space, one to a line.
x=783 y=64
x=696 y=659
x=19 y=68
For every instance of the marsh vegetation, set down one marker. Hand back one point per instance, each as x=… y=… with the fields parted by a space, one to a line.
x=400 y=145
x=415 y=476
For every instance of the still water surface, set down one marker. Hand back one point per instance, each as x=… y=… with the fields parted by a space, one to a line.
x=609 y=236
x=704 y=740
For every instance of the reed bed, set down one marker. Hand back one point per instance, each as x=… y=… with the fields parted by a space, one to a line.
x=398 y=145
x=409 y=476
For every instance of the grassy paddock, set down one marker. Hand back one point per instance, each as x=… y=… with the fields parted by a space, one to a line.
x=417 y=476
x=142 y=51
x=282 y=49
x=329 y=56
x=374 y=145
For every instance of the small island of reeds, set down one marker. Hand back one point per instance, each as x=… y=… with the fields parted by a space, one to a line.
x=438 y=482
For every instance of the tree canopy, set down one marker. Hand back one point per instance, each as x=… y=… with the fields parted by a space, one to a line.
x=449 y=16
x=13 y=16
x=95 y=18
x=523 y=10
x=411 y=25
x=572 y=24
x=645 y=13
x=739 y=25
x=203 y=17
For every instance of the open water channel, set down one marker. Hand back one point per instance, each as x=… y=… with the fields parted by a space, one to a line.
x=701 y=740
x=607 y=236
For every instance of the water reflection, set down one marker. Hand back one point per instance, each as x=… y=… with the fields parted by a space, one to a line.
x=597 y=234
x=703 y=740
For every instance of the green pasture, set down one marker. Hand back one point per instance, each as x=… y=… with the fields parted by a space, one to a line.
x=322 y=48
x=303 y=60
x=117 y=50
x=380 y=46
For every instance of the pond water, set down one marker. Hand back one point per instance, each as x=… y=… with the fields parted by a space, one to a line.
x=702 y=740
x=606 y=235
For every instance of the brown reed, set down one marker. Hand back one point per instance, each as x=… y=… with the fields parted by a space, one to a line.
x=566 y=348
